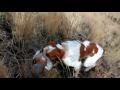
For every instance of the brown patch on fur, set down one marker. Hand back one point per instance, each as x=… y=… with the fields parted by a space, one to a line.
x=52 y=43
x=88 y=51
x=90 y=48
x=54 y=54
x=61 y=54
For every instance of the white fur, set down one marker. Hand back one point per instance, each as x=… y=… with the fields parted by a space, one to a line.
x=72 y=54
x=86 y=43
x=49 y=65
x=36 y=54
x=93 y=51
x=90 y=62
x=84 y=49
x=43 y=58
x=49 y=48
x=59 y=46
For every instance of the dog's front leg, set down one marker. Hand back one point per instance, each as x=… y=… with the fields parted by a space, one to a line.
x=77 y=68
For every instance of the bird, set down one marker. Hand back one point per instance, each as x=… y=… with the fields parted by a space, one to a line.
x=40 y=63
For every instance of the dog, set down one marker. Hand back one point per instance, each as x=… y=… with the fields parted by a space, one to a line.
x=40 y=63
x=72 y=52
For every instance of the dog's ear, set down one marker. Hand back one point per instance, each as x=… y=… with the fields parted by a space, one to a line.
x=52 y=43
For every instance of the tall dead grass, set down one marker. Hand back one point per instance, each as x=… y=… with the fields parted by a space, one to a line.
x=33 y=30
x=4 y=73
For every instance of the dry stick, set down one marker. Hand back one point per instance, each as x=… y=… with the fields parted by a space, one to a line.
x=15 y=58
x=1 y=54
x=67 y=70
x=18 y=65
x=83 y=36
x=18 y=75
x=17 y=62
x=64 y=67
x=61 y=63
x=70 y=72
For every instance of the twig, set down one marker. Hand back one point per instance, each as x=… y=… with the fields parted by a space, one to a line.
x=18 y=65
x=61 y=62
x=18 y=75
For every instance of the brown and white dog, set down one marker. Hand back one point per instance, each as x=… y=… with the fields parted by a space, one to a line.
x=72 y=52
x=40 y=63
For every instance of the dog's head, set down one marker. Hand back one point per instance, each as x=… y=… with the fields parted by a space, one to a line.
x=52 y=51
x=40 y=62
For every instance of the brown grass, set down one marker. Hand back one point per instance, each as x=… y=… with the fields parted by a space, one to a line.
x=3 y=70
x=34 y=30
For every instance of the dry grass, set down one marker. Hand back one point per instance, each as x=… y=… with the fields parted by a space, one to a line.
x=4 y=73
x=33 y=30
